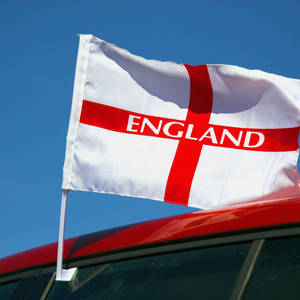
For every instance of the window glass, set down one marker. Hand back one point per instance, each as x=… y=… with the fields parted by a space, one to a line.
x=38 y=287
x=30 y=288
x=7 y=289
x=207 y=273
x=277 y=271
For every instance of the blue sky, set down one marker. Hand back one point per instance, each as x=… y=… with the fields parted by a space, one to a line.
x=38 y=54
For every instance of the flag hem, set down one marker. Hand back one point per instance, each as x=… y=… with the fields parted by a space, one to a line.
x=78 y=93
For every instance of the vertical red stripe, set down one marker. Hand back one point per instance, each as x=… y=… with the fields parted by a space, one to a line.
x=188 y=151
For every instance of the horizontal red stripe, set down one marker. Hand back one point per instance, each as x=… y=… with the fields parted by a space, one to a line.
x=116 y=119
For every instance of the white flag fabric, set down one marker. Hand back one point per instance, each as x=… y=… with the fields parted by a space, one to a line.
x=202 y=136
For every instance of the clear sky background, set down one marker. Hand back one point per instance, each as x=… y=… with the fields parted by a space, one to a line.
x=38 y=54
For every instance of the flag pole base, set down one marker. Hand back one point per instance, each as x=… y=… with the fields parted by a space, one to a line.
x=63 y=274
x=67 y=274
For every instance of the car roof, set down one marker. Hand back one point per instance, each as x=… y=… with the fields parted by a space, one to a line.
x=176 y=228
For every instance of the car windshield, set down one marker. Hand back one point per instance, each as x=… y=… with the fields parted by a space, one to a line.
x=210 y=272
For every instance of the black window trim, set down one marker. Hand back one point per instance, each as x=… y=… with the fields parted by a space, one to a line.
x=166 y=247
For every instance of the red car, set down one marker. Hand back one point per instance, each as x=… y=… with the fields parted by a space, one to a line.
x=242 y=252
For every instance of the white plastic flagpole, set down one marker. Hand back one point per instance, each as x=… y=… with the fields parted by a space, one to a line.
x=62 y=274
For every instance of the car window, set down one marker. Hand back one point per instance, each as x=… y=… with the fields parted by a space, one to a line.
x=36 y=290
x=7 y=289
x=277 y=271
x=30 y=288
x=206 y=273
x=23 y=287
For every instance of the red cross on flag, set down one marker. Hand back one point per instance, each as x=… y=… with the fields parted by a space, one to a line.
x=201 y=136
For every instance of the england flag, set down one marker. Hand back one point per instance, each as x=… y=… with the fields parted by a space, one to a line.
x=203 y=136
